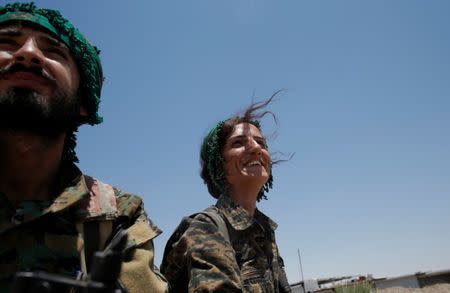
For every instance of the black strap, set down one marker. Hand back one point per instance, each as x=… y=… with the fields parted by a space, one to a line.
x=91 y=241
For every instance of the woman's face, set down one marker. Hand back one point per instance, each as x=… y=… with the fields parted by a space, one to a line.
x=246 y=159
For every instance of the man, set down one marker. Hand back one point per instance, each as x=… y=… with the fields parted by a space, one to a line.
x=52 y=217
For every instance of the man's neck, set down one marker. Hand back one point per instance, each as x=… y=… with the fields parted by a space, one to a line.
x=29 y=164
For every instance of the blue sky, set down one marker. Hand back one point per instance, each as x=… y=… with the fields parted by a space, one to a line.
x=365 y=110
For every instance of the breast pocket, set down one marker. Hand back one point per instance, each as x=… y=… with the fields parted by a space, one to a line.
x=256 y=279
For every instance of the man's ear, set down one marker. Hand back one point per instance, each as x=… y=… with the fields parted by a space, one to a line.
x=83 y=111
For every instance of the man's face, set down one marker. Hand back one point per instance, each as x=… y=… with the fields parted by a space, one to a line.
x=39 y=81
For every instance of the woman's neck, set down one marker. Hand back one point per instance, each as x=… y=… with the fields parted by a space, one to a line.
x=246 y=198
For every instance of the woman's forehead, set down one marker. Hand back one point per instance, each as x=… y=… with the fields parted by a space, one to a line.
x=245 y=129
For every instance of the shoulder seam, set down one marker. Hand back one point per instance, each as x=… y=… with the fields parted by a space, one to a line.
x=213 y=213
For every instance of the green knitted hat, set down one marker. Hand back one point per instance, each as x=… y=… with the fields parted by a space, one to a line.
x=212 y=159
x=85 y=54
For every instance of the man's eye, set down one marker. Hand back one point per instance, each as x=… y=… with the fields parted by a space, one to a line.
x=6 y=44
x=7 y=41
x=55 y=52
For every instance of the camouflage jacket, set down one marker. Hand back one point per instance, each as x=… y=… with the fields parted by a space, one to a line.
x=44 y=236
x=199 y=258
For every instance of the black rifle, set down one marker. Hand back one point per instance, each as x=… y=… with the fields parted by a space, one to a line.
x=102 y=278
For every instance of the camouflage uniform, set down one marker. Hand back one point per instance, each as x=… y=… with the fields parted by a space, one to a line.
x=200 y=258
x=44 y=236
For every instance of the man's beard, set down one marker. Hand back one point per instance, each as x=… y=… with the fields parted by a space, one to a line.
x=23 y=109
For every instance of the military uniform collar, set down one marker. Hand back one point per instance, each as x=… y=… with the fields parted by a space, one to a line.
x=239 y=218
x=72 y=188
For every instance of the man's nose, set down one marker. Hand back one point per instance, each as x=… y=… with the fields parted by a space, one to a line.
x=29 y=54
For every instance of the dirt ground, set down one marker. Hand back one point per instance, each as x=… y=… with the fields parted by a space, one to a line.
x=439 y=288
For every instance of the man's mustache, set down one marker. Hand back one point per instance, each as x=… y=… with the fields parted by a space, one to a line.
x=19 y=67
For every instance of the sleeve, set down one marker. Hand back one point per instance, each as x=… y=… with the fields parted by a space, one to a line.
x=283 y=281
x=200 y=260
x=138 y=273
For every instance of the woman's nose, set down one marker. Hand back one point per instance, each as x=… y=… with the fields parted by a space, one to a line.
x=254 y=146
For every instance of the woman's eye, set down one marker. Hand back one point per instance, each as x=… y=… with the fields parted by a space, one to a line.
x=262 y=143
x=236 y=143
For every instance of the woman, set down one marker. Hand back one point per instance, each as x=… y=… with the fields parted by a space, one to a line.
x=231 y=246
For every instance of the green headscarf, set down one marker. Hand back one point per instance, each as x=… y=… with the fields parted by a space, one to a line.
x=212 y=159
x=85 y=54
